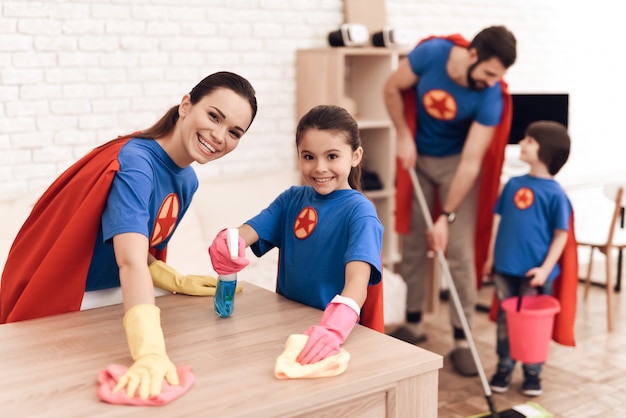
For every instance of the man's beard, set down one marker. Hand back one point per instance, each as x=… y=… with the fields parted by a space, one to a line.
x=471 y=81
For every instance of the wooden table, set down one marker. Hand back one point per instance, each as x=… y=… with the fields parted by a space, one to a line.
x=49 y=366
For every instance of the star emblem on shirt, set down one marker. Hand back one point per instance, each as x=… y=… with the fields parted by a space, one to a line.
x=166 y=219
x=305 y=223
x=439 y=104
x=524 y=198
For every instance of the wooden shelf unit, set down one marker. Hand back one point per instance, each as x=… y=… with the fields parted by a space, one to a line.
x=353 y=77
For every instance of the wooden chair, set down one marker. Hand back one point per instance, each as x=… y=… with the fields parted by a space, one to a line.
x=614 y=241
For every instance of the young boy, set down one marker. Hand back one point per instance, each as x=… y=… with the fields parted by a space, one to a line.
x=530 y=230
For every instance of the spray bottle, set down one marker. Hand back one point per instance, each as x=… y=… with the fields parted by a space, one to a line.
x=226 y=283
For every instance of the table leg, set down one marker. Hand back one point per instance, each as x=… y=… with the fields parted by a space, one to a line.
x=618 y=281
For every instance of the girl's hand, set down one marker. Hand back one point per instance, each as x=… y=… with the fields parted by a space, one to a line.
x=326 y=338
x=221 y=258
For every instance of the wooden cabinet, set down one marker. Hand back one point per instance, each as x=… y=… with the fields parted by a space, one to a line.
x=353 y=78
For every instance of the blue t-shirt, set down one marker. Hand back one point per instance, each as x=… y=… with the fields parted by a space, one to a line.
x=317 y=235
x=531 y=210
x=445 y=110
x=149 y=195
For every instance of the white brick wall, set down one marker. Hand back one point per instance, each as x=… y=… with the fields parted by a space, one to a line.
x=74 y=74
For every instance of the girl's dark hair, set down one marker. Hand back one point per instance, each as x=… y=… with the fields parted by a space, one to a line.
x=554 y=143
x=336 y=119
x=495 y=41
x=209 y=84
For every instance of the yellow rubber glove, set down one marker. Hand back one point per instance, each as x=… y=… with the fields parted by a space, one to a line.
x=147 y=348
x=167 y=278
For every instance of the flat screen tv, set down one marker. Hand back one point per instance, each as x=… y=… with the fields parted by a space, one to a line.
x=528 y=108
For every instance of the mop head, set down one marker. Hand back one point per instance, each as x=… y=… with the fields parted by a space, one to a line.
x=525 y=410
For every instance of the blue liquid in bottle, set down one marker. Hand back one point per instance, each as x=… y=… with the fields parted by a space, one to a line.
x=224 y=300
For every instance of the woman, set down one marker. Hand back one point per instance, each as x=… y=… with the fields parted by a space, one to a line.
x=106 y=220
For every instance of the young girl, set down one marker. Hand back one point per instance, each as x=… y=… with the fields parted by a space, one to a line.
x=327 y=231
x=530 y=230
x=104 y=221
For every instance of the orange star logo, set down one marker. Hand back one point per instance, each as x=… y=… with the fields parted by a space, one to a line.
x=166 y=219
x=524 y=198
x=305 y=223
x=440 y=104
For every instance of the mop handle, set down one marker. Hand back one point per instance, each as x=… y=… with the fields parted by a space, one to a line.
x=455 y=297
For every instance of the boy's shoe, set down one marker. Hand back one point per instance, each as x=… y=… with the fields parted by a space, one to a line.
x=500 y=381
x=531 y=385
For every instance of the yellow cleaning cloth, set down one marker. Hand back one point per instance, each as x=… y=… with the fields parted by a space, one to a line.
x=288 y=368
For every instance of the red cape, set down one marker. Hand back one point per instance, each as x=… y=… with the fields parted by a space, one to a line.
x=565 y=290
x=489 y=179
x=46 y=269
x=372 y=312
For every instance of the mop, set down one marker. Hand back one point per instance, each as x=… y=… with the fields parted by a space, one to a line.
x=529 y=409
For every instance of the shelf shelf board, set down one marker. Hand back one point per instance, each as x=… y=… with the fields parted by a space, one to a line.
x=374 y=123
x=359 y=50
x=379 y=194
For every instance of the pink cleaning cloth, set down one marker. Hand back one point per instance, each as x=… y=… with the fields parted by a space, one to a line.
x=108 y=378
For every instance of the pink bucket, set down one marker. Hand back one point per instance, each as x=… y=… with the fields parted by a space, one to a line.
x=530 y=329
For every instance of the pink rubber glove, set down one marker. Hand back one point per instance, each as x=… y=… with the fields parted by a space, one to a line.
x=220 y=255
x=325 y=339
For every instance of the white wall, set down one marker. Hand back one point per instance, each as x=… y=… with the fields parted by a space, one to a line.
x=75 y=73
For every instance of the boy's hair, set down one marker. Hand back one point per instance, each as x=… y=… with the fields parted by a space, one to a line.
x=495 y=41
x=554 y=143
